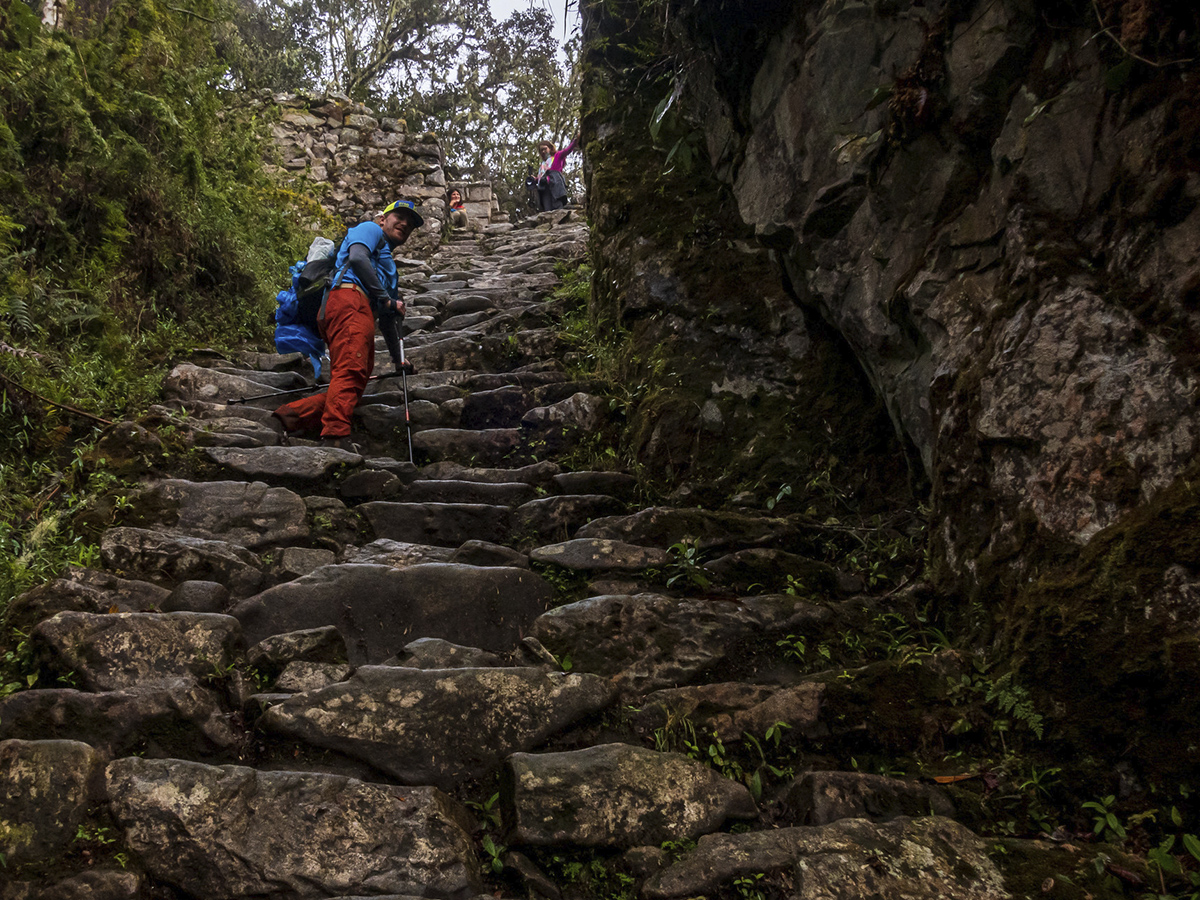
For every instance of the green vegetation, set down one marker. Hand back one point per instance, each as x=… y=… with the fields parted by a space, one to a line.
x=136 y=223
x=590 y=875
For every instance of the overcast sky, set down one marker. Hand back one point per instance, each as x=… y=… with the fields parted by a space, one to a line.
x=501 y=9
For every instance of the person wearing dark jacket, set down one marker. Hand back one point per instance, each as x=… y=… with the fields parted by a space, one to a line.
x=551 y=183
x=365 y=287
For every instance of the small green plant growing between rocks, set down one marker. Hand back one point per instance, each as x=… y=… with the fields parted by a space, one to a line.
x=785 y=491
x=94 y=835
x=1164 y=864
x=1105 y=821
x=677 y=850
x=1003 y=696
x=590 y=876
x=17 y=666
x=794 y=647
x=685 y=565
x=495 y=854
x=772 y=741
x=749 y=886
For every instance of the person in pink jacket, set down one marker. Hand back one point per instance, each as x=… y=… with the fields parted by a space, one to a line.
x=551 y=185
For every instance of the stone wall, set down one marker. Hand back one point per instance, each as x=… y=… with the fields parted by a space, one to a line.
x=358 y=161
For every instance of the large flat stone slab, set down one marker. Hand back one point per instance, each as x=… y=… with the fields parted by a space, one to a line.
x=172 y=559
x=489 y=446
x=46 y=788
x=732 y=709
x=235 y=431
x=457 y=352
x=818 y=798
x=165 y=718
x=616 y=796
x=224 y=832
x=498 y=408
x=84 y=590
x=284 y=463
x=906 y=859
x=447 y=491
x=397 y=554
x=663 y=526
x=189 y=382
x=557 y=518
x=379 y=609
x=250 y=514
x=440 y=524
x=614 y=484
x=598 y=555
x=536 y=474
x=123 y=650
x=438 y=726
x=645 y=642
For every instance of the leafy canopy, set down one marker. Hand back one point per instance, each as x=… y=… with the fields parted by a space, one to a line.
x=489 y=90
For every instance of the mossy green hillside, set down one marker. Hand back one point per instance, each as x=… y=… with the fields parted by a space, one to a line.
x=136 y=223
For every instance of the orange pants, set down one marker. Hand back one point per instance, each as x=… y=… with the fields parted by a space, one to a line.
x=349 y=330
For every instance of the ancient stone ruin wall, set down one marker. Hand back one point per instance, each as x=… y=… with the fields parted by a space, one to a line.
x=359 y=161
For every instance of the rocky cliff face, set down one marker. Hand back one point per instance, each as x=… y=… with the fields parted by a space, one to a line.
x=994 y=207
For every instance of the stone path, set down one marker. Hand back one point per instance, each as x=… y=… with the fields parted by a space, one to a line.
x=296 y=665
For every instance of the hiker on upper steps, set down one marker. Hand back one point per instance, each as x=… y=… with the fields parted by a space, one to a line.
x=551 y=184
x=457 y=211
x=365 y=287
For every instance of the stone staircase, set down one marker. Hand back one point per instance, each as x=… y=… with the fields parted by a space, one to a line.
x=302 y=672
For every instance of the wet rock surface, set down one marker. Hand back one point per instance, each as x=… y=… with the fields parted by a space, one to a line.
x=651 y=641
x=215 y=832
x=124 y=650
x=378 y=608
x=834 y=862
x=397 y=718
x=61 y=777
x=616 y=795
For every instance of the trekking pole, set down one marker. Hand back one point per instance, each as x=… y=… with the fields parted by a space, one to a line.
x=404 y=367
x=303 y=390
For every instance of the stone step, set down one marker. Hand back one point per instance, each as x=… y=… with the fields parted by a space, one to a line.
x=558 y=518
x=509 y=710
x=245 y=513
x=466 y=320
x=501 y=407
x=509 y=494
x=172 y=716
x=120 y=651
x=489 y=446
x=181 y=815
x=537 y=474
x=284 y=464
x=615 y=484
x=378 y=609
x=438 y=523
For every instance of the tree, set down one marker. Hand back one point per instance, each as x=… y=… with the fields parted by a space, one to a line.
x=508 y=93
x=368 y=49
x=489 y=91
